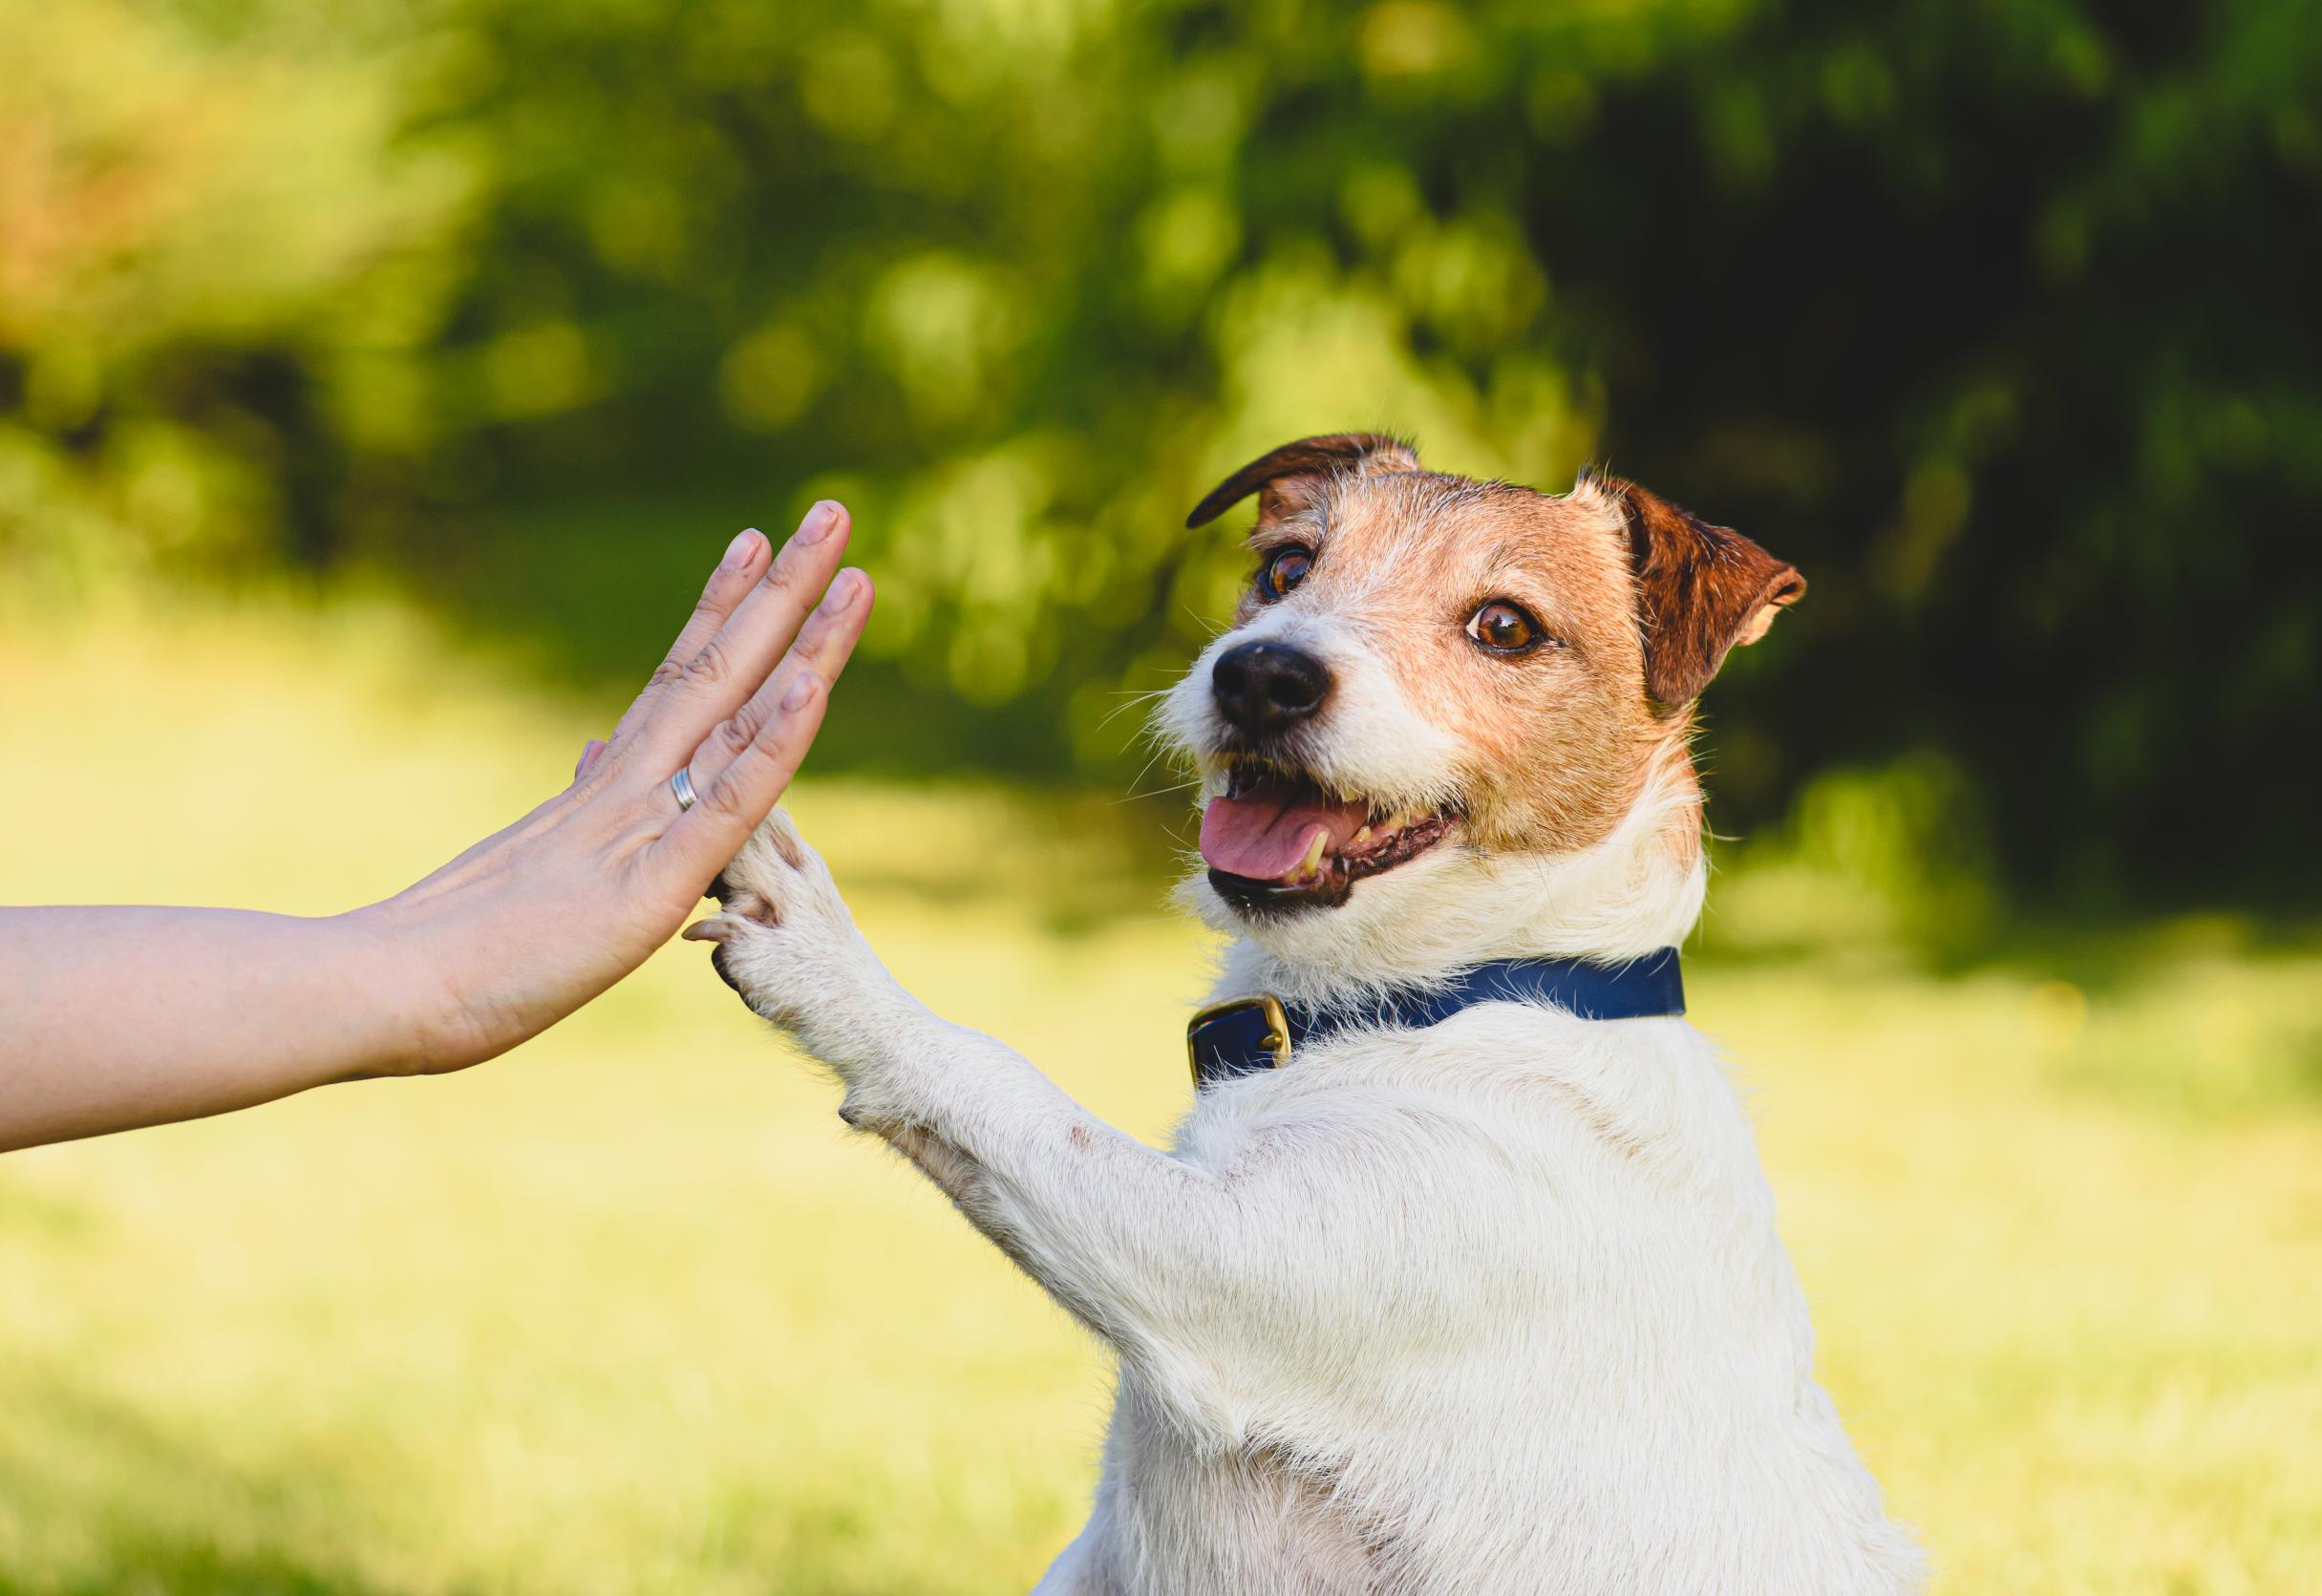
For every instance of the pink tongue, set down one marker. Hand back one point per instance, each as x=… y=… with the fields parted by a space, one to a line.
x=1265 y=837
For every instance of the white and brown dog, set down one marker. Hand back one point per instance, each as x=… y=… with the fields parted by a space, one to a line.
x=1481 y=1290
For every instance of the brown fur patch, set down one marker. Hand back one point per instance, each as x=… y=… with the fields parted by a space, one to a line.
x=1557 y=742
x=1286 y=478
x=786 y=845
x=1701 y=590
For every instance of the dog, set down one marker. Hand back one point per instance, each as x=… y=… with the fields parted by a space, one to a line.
x=1449 y=1282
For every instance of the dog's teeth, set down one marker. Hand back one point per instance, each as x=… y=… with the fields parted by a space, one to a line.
x=1312 y=861
x=1363 y=835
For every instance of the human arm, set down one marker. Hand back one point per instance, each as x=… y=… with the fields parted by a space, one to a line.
x=112 y=1017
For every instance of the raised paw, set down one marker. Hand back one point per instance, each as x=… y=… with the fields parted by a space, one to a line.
x=774 y=867
x=785 y=941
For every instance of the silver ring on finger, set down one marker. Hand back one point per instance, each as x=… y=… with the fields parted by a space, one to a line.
x=682 y=785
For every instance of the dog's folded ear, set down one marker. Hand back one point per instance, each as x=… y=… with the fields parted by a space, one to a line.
x=1701 y=590
x=1287 y=477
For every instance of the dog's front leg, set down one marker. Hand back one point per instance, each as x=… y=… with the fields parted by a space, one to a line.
x=1167 y=1261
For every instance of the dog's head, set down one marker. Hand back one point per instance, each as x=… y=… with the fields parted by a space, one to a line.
x=1444 y=703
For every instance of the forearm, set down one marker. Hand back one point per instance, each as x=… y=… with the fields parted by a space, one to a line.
x=1071 y=1198
x=112 y=1018
x=1226 y=1290
x=1208 y=1285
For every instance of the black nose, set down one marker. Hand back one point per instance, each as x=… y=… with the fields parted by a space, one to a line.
x=1263 y=688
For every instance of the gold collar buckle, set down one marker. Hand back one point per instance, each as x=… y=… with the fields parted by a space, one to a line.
x=1240 y=1036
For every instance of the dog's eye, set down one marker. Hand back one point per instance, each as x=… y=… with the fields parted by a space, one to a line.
x=1286 y=571
x=1504 y=629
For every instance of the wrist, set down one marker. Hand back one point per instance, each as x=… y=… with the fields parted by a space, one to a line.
x=874 y=1038
x=415 y=1022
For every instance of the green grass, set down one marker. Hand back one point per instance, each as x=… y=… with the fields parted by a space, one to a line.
x=629 y=1312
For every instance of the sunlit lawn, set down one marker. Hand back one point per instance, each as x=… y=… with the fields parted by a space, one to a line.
x=630 y=1311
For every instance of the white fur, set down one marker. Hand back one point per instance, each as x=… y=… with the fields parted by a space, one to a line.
x=1495 y=1305
x=1371 y=742
x=1454 y=904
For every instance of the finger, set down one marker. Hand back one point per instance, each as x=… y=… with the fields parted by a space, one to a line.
x=705 y=838
x=588 y=756
x=824 y=644
x=735 y=661
x=745 y=560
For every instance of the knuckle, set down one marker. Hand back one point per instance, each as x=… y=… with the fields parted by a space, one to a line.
x=775 y=740
x=722 y=801
x=712 y=666
x=736 y=733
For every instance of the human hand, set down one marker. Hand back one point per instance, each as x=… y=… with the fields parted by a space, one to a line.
x=530 y=924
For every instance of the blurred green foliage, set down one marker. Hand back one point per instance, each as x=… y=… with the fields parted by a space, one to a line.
x=1996 y=317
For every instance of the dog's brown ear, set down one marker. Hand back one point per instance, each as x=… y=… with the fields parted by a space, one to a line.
x=1285 y=478
x=1700 y=591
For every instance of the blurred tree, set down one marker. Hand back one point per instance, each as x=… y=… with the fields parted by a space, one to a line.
x=1995 y=318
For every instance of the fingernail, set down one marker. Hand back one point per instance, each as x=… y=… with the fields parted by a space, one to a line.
x=799 y=692
x=738 y=552
x=818 y=523
x=844 y=588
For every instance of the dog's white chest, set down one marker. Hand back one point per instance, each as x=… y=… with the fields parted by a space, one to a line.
x=1522 y=1323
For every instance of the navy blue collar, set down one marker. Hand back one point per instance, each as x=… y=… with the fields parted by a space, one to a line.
x=1248 y=1034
